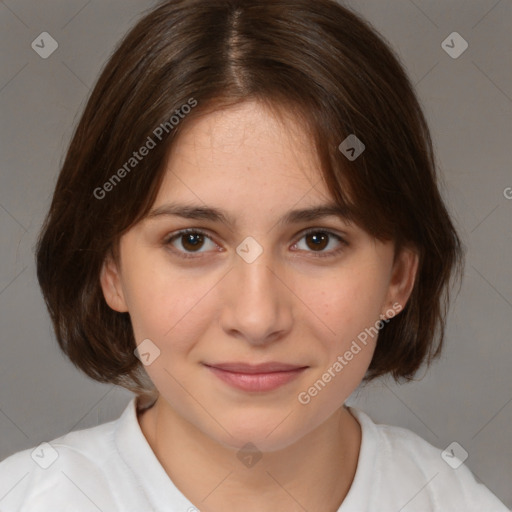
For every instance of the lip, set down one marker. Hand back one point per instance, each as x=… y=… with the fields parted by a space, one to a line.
x=260 y=377
x=269 y=367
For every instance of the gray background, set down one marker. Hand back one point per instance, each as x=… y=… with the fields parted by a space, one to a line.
x=466 y=397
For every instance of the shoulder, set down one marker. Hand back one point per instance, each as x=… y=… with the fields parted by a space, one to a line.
x=414 y=474
x=72 y=472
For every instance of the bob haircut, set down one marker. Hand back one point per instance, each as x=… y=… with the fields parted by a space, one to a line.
x=316 y=60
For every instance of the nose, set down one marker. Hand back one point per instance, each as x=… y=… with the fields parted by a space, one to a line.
x=257 y=301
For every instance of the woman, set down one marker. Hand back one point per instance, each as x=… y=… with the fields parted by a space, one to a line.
x=246 y=226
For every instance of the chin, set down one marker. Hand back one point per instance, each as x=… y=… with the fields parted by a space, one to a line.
x=268 y=432
x=259 y=439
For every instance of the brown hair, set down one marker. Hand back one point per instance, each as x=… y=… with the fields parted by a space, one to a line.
x=317 y=60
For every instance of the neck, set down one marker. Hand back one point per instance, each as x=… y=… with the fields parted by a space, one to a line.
x=312 y=474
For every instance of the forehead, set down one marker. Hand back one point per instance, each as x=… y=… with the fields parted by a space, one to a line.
x=244 y=155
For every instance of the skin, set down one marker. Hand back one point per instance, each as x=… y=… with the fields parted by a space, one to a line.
x=289 y=305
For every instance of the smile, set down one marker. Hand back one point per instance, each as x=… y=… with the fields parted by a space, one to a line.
x=254 y=378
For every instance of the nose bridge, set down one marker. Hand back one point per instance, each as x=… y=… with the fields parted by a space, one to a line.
x=257 y=283
x=257 y=306
x=257 y=278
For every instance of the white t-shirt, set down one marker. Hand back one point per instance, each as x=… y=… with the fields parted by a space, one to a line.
x=112 y=468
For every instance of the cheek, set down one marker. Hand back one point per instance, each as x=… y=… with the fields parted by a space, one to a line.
x=168 y=306
x=346 y=307
x=345 y=302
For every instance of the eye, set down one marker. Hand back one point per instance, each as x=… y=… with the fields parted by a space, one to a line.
x=191 y=241
x=316 y=240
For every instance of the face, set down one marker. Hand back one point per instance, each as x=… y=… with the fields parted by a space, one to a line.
x=250 y=284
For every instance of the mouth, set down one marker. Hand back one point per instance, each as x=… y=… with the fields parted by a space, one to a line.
x=256 y=378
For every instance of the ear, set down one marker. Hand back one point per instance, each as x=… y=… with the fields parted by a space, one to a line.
x=110 y=279
x=405 y=268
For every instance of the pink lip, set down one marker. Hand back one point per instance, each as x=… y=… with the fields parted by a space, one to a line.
x=262 y=377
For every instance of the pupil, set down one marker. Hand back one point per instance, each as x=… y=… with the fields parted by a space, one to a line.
x=319 y=240
x=194 y=244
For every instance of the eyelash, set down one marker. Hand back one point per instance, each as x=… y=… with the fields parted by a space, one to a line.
x=168 y=241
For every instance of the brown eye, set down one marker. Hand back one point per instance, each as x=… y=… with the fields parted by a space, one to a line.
x=318 y=240
x=192 y=241
x=188 y=242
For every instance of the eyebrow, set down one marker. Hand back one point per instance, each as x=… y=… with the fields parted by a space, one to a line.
x=217 y=215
